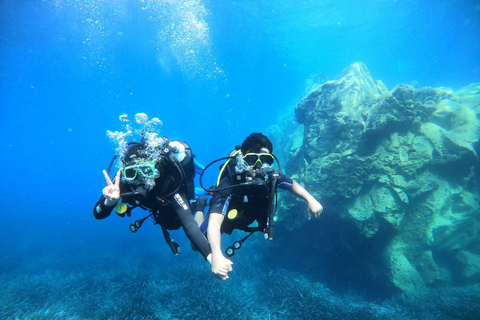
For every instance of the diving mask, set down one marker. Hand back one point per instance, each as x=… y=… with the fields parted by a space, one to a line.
x=145 y=170
x=264 y=159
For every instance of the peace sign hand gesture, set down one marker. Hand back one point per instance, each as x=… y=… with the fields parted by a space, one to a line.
x=111 y=192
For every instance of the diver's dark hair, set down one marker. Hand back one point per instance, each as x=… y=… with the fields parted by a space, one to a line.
x=255 y=142
x=134 y=149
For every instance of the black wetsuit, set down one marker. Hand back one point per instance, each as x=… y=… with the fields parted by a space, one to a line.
x=250 y=202
x=171 y=211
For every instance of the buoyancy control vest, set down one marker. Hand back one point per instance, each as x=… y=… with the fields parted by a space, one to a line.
x=253 y=198
x=177 y=172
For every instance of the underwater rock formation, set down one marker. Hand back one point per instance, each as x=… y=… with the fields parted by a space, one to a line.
x=400 y=169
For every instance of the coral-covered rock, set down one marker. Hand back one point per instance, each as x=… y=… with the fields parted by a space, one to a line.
x=470 y=263
x=400 y=166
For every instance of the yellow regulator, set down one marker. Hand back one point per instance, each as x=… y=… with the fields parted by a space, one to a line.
x=232 y=214
x=121 y=208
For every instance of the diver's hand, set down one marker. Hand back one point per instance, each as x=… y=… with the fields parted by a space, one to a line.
x=221 y=266
x=111 y=192
x=314 y=207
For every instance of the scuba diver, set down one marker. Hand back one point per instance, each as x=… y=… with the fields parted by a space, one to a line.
x=156 y=176
x=245 y=192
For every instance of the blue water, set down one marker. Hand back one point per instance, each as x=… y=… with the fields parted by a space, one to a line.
x=212 y=71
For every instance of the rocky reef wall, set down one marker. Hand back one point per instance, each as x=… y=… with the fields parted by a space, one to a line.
x=398 y=173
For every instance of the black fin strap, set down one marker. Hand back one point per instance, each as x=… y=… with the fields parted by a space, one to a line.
x=172 y=244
